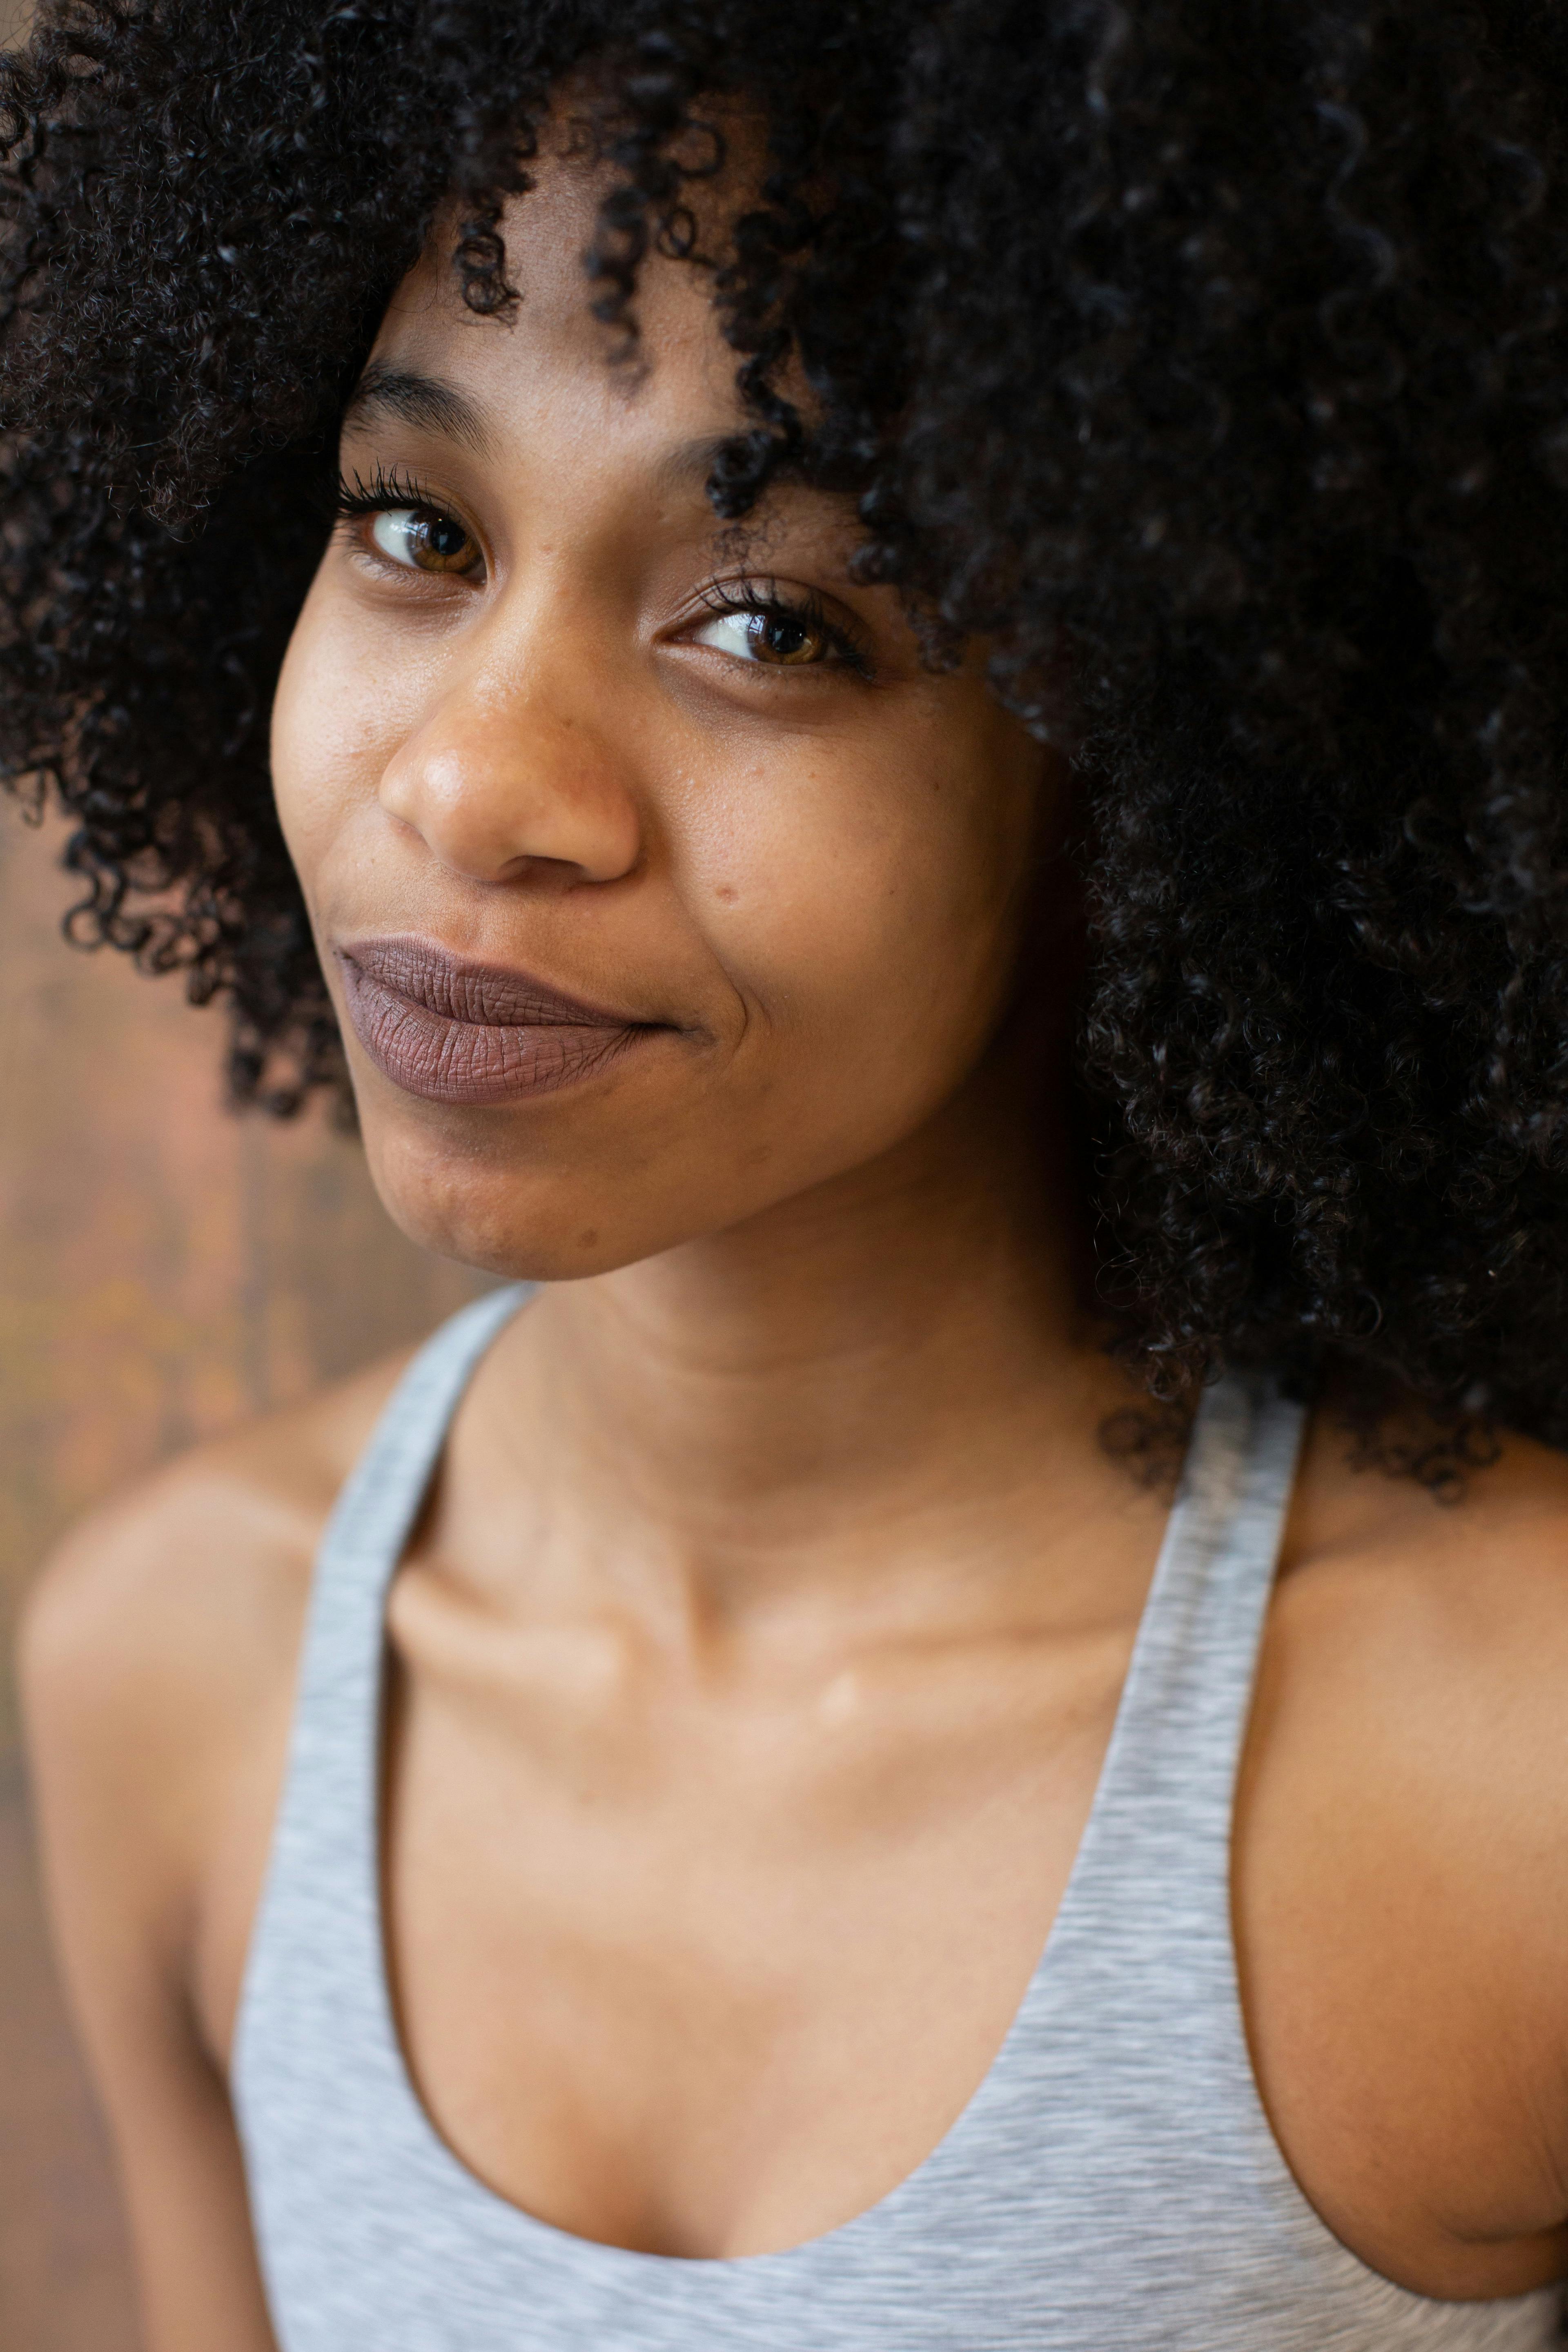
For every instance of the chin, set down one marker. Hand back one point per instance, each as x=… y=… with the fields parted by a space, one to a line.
x=471 y=1198
x=523 y=1230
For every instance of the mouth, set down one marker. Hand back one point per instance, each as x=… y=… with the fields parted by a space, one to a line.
x=453 y=1031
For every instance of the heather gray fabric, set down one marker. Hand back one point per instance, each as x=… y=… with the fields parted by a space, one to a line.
x=1113 y=2183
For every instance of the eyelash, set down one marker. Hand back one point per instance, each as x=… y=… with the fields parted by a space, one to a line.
x=381 y=494
x=766 y=601
x=385 y=492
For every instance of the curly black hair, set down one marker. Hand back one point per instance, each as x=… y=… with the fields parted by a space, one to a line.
x=1210 y=353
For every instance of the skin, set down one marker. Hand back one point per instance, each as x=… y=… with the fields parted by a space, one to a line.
x=754 y=1660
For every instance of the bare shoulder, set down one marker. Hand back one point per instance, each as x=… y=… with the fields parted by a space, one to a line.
x=1401 y=1865
x=1415 y=1679
x=203 y=1565
x=157 y=1659
x=1417 y=1656
x=1409 y=1731
x=1471 y=1591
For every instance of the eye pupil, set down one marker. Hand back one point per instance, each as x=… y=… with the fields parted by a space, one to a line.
x=785 y=638
x=444 y=538
x=424 y=538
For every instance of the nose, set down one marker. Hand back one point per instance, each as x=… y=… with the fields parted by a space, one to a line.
x=504 y=781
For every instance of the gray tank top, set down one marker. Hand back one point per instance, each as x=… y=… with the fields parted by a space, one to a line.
x=1113 y=2182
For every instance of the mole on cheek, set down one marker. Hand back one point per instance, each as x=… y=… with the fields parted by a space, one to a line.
x=727 y=892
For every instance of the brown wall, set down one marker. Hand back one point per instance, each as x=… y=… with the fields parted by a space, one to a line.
x=165 y=1271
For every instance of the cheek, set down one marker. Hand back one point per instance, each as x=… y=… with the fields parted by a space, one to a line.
x=864 y=903
x=337 y=716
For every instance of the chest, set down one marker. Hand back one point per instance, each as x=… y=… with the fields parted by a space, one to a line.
x=711 y=1978
x=702 y=1980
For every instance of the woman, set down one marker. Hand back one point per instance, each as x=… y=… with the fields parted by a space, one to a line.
x=924 y=764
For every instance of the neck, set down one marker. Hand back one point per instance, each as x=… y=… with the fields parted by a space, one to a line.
x=885 y=1367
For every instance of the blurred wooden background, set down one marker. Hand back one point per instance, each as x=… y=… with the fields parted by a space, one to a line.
x=165 y=1271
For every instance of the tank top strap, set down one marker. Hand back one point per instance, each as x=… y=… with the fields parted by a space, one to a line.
x=373 y=1517
x=1157 y=1851
x=1198 y=1646
x=323 y=1871
x=341 y=1674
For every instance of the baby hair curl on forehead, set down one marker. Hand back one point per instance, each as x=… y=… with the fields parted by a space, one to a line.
x=1207 y=358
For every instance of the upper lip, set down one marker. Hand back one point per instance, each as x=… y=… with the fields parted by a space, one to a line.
x=486 y=995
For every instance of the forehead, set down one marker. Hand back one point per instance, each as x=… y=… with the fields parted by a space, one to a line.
x=549 y=362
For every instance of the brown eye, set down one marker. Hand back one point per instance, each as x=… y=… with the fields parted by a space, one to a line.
x=421 y=539
x=780 y=638
x=786 y=638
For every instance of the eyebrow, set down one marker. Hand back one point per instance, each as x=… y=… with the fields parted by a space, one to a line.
x=434 y=405
x=421 y=400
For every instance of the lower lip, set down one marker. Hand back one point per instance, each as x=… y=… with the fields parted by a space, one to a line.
x=445 y=1061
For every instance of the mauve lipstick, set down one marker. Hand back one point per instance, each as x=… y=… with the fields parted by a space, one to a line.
x=454 y=1031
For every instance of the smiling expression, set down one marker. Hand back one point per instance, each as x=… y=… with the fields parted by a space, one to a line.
x=655 y=878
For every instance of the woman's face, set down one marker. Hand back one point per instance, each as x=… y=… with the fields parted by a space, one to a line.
x=655 y=879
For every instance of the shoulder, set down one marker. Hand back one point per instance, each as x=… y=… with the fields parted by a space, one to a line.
x=209 y=1557
x=1402 y=1858
x=158 y=1648
x=1458 y=1608
x=1417 y=1653
x=157 y=1664
x=1414 y=1689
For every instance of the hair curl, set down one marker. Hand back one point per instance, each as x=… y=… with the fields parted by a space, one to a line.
x=1212 y=349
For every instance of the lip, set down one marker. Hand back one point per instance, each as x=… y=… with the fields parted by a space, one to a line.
x=452 y=1031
